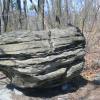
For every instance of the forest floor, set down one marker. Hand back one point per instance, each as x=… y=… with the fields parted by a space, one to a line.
x=86 y=87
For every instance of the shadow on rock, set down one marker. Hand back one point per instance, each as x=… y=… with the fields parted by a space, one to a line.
x=68 y=87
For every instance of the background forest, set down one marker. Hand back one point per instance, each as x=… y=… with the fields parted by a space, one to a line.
x=47 y=14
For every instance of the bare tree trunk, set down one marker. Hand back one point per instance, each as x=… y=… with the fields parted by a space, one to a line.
x=49 y=15
x=66 y=12
x=41 y=14
x=25 y=12
x=57 y=12
x=0 y=15
x=95 y=18
x=86 y=16
x=5 y=12
x=0 y=26
x=53 y=13
x=19 y=12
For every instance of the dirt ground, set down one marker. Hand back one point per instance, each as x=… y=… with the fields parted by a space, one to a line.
x=80 y=89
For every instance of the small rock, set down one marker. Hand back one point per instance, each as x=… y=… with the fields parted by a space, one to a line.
x=18 y=92
x=97 y=78
x=5 y=94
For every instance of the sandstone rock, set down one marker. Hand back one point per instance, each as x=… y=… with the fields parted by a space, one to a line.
x=42 y=58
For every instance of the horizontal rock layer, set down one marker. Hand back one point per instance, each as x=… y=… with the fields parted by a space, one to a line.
x=42 y=58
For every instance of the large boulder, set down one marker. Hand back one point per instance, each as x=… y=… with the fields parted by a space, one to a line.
x=42 y=58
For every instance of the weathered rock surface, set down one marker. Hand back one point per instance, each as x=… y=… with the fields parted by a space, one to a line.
x=42 y=58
